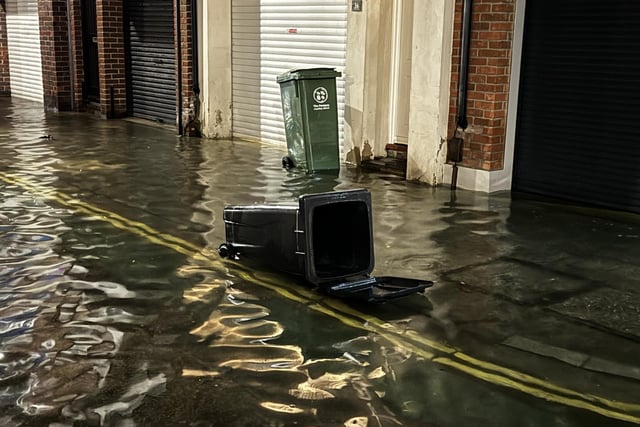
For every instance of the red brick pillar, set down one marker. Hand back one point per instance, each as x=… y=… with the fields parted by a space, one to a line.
x=113 y=88
x=54 y=45
x=488 y=87
x=190 y=101
x=76 y=52
x=5 y=86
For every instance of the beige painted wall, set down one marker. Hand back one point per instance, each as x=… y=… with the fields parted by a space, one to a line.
x=368 y=73
x=367 y=80
x=354 y=86
x=379 y=78
x=216 y=68
x=430 y=81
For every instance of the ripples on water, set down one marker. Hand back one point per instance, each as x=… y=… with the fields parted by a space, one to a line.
x=100 y=326
x=51 y=355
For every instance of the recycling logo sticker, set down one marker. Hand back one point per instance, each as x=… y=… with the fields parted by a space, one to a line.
x=321 y=98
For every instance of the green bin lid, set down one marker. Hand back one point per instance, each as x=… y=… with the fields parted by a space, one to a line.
x=308 y=73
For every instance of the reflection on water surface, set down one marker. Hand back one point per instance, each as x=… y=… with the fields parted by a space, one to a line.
x=116 y=310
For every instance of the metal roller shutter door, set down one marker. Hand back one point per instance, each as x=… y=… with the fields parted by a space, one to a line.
x=151 y=62
x=579 y=102
x=270 y=37
x=23 y=40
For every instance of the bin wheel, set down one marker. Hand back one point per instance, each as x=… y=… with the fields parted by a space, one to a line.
x=224 y=250
x=287 y=163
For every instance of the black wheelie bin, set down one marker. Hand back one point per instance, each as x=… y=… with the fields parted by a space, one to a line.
x=326 y=238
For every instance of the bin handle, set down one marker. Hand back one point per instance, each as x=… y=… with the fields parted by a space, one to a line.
x=296 y=84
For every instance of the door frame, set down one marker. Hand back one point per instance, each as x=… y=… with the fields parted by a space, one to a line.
x=400 y=18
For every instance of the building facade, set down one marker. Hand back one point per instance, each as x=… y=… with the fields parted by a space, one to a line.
x=550 y=98
x=113 y=57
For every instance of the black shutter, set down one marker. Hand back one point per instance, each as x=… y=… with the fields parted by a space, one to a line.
x=578 y=132
x=151 y=59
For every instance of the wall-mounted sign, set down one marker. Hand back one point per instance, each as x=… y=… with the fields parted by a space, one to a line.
x=356 y=5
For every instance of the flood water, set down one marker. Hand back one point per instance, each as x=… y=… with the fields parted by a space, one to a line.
x=116 y=309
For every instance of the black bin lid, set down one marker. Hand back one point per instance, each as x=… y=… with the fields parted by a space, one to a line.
x=378 y=289
x=308 y=74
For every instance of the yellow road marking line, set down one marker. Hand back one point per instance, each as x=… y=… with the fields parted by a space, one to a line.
x=517 y=379
x=179 y=245
x=507 y=382
x=340 y=311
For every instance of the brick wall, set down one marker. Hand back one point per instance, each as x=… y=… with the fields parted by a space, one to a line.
x=76 y=49
x=5 y=83
x=113 y=88
x=186 y=63
x=488 y=88
x=62 y=78
x=54 y=43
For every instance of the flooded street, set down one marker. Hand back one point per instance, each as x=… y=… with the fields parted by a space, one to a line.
x=116 y=309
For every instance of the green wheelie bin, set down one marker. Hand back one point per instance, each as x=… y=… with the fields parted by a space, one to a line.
x=310 y=110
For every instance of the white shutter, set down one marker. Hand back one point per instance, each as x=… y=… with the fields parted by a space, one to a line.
x=23 y=40
x=270 y=37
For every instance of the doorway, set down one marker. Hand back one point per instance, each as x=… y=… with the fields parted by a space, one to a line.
x=91 y=85
x=151 y=60
x=401 y=71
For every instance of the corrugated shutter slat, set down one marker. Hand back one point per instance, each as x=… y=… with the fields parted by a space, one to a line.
x=264 y=47
x=579 y=101
x=151 y=59
x=23 y=40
